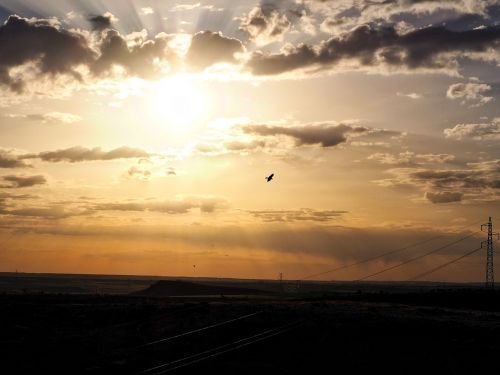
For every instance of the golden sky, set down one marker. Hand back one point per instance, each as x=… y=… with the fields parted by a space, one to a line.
x=135 y=137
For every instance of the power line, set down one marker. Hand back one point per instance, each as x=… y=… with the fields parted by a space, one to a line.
x=372 y=258
x=219 y=350
x=444 y=265
x=198 y=330
x=417 y=257
x=394 y=251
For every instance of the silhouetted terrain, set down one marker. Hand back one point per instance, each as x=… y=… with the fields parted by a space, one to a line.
x=373 y=327
x=167 y=288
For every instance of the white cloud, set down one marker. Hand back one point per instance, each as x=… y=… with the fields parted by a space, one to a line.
x=50 y=117
x=480 y=131
x=411 y=95
x=470 y=93
x=147 y=10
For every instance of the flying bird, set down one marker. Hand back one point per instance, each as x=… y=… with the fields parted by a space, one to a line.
x=270 y=177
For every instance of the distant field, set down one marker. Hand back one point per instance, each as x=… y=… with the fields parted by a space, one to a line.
x=22 y=283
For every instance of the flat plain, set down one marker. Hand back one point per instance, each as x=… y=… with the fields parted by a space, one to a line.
x=332 y=327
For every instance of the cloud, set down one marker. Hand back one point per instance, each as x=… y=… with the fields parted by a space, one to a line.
x=180 y=206
x=403 y=158
x=31 y=49
x=303 y=214
x=481 y=131
x=326 y=135
x=409 y=158
x=54 y=50
x=79 y=154
x=470 y=92
x=208 y=48
x=184 y=7
x=147 y=11
x=7 y=198
x=436 y=158
x=241 y=146
x=8 y=160
x=444 y=197
x=455 y=13
x=411 y=95
x=4 y=195
x=55 y=212
x=265 y=24
x=139 y=173
x=14 y=181
x=477 y=182
x=457 y=178
x=241 y=136
x=137 y=55
x=102 y=22
x=332 y=245
x=368 y=46
x=50 y=117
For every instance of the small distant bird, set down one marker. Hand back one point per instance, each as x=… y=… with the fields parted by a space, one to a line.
x=270 y=177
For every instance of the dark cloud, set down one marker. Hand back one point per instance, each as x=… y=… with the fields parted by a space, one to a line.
x=14 y=181
x=142 y=58
x=457 y=178
x=332 y=242
x=479 y=182
x=102 y=22
x=208 y=48
x=371 y=46
x=326 y=135
x=78 y=154
x=55 y=212
x=54 y=50
x=4 y=195
x=7 y=160
x=303 y=214
x=444 y=197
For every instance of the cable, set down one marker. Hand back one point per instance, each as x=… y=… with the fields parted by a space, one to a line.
x=219 y=350
x=444 y=265
x=383 y=254
x=417 y=257
x=198 y=330
x=372 y=258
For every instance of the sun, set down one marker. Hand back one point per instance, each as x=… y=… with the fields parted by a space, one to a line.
x=178 y=102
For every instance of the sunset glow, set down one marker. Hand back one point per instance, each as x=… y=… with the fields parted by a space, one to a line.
x=135 y=137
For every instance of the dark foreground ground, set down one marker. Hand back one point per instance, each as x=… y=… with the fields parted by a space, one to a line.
x=428 y=330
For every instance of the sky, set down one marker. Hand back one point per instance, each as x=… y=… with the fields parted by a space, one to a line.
x=135 y=136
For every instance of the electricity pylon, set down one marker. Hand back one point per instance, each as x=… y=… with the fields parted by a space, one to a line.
x=490 y=277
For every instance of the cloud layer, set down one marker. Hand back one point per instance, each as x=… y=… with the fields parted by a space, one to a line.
x=15 y=181
x=429 y=48
x=79 y=154
x=326 y=135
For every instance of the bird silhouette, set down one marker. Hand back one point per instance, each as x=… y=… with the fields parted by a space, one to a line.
x=270 y=177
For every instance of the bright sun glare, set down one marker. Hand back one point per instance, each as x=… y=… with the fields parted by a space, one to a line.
x=178 y=102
